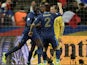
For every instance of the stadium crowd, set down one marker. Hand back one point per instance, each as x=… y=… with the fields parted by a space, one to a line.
x=76 y=12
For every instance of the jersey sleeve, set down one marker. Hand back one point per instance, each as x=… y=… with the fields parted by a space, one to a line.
x=29 y=19
x=58 y=27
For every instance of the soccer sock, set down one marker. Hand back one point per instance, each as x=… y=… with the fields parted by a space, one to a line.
x=40 y=53
x=58 y=55
x=35 y=53
x=12 y=50
x=30 y=55
x=44 y=57
x=39 y=58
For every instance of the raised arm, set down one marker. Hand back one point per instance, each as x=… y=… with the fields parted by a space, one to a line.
x=60 y=8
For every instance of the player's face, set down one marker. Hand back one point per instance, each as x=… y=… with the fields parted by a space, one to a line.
x=52 y=10
x=42 y=8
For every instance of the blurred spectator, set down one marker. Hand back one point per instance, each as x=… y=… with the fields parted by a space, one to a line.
x=0 y=13
x=71 y=18
x=52 y=1
x=2 y=1
x=13 y=4
x=7 y=13
x=73 y=4
x=0 y=4
x=70 y=1
x=6 y=7
x=19 y=17
x=82 y=12
x=0 y=7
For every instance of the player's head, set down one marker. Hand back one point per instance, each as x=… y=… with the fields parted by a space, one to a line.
x=47 y=7
x=42 y=7
x=53 y=9
x=36 y=9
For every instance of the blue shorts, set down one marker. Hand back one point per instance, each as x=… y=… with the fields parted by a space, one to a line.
x=49 y=39
x=35 y=34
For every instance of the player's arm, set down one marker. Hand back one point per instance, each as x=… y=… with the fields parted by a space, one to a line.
x=31 y=28
x=58 y=27
x=38 y=25
x=60 y=8
x=37 y=20
x=29 y=19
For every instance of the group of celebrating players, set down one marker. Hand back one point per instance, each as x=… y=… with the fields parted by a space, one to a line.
x=44 y=26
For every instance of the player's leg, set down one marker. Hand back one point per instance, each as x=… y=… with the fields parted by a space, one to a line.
x=23 y=40
x=31 y=51
x=56 y=49
x=40 y=49
x=46 y=44
x=36 y=38
x=25 y=52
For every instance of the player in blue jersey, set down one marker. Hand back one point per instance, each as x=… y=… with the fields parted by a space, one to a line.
x=47 y=29
x=35 y=38
x=58 y=27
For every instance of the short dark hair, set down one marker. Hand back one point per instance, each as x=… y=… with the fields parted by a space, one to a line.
x=81 y=4
x=55 y=6
x=47 y=6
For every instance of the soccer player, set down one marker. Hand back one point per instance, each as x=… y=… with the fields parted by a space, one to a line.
x=47 y=29
x=58 y=30
x=35 y=38
x=58 y=27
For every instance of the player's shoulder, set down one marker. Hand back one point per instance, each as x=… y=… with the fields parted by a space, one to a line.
x=58 y=14
x=40 y=15
x=59 y=17
x=30 y=14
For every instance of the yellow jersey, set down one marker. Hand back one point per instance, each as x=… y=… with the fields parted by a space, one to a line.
x=58 y=27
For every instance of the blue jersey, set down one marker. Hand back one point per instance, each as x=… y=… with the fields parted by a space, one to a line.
x=29 y=20
x=31 y=17
x=47 y=22
x=47 y=28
